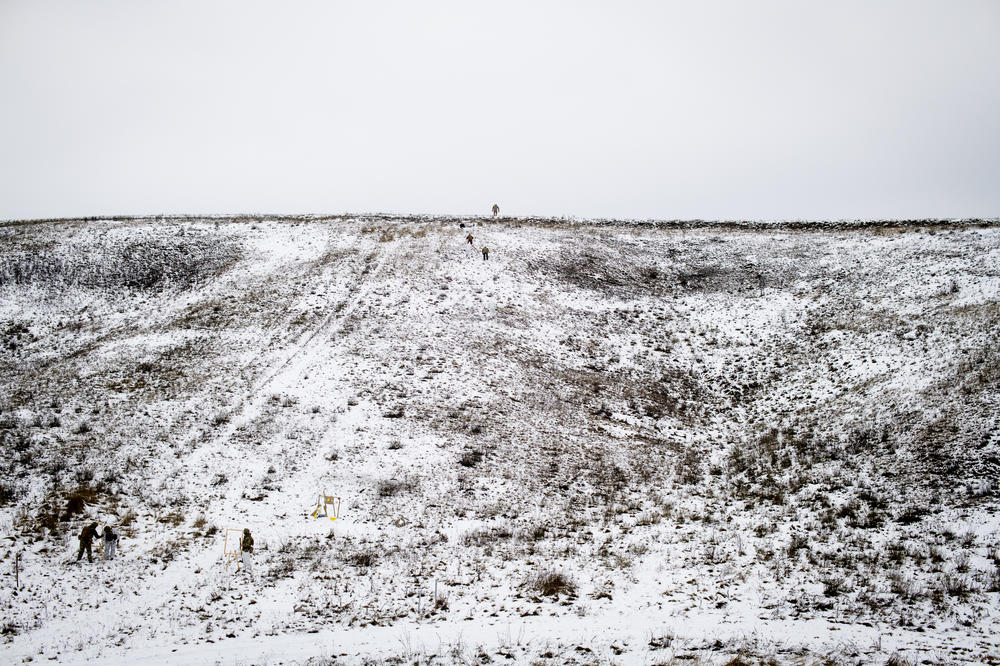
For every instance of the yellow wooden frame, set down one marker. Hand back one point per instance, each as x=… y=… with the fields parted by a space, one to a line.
x=325 y=504
x=232 y=553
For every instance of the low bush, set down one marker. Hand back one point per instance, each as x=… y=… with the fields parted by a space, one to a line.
x=484 y=536
x=392 y=487
x=470 y=458
x=551 y=583
x=361 y=559
x=78 y=499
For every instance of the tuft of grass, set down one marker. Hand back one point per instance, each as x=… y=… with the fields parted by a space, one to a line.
x=833 y=585
x=470 y=458
x=7 y=493
x=484 y=536
x=362 y=559
x=393 y=487
x=551 y=583
x=173 y=519
x=78 y=499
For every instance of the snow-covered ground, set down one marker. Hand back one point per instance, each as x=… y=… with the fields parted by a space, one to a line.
x=609 y=443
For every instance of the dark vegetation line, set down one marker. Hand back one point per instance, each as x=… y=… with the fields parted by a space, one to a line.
x=534 y=220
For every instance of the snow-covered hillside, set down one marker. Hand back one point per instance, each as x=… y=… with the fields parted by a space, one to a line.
x=608 y=443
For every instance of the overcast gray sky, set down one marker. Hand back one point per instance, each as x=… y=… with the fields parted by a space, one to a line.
x=663 y=109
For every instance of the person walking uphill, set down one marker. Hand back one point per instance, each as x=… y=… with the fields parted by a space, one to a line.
x=87 y=537
x=246 y=550
x=110 y=543
x=469 y=238
x=486 y=253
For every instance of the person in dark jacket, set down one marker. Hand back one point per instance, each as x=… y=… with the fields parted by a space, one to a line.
x=246 y=548
x=469 y=239
x=110 y=543
x=87 y=537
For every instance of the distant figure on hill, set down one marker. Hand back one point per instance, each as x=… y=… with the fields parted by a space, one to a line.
x=87 y=537
x=110 y=543
x=496 y=209
x=246 y=550
x=486 y=253
x=469 y=238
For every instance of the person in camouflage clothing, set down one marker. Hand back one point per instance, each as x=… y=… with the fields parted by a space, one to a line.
x=87 y=537
x=246 y=551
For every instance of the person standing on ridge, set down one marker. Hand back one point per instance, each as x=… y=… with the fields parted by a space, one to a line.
x=496 y=209
x=87 y=537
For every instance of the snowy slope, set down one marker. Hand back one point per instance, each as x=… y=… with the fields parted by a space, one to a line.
x=611 y=443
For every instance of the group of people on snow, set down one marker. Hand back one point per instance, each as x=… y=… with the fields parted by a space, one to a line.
x=486 y=250
x=109 y=538
x=108 y=542
x=470 y=237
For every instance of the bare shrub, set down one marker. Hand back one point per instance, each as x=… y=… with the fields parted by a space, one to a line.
x=173 y=519
x=484 y=536
x=470 y=458
x=284 y=565
x=392 y=487
x=551 y=583
x=797 y=543
x=84 y=475
x=648 y=518
x=7 y=493
x=833 y=585
x=536 y=533
x=956 y=586
x=78 y=499
x=362 y=559
x=993 y=581
x=661 y=642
